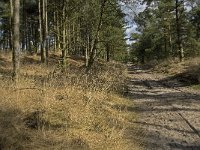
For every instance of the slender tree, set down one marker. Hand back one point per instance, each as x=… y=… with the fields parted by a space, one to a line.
x=74 y=27
x=178 y=10
x=96 y=36
x=16 y=37
x=11 y=25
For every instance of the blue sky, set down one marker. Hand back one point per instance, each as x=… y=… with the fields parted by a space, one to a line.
x=131 y=29
x=131 y=10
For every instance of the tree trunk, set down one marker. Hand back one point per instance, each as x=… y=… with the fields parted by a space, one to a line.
x=95 y=40
x=24 y=26
x=11 y=25
x=46 y=33
x=178 y=30
x=69 y=39
x=87 y=50
x=107 y=52
x=63 y=36
x=55 y=35
x=16 y=36
x=58 y=30
x=170 y=40
x=41 y=32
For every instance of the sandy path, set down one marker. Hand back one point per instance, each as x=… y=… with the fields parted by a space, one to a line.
x=169 y=114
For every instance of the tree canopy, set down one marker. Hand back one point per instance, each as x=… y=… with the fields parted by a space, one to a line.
x=167 y=29
x=92 y=29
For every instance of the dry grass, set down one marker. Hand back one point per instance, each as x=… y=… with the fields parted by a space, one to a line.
x=187 y=71
x=51 y=109
x=173 y=67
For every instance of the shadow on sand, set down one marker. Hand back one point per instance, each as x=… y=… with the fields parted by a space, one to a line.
x=153 y=99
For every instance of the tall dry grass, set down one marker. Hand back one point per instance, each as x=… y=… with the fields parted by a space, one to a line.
x=55 y=109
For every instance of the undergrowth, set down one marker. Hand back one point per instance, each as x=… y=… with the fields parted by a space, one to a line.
x=187 y=71
x=55 y=109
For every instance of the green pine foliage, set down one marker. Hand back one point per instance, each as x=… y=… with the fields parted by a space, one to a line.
x=80 y=22
x=158 y=30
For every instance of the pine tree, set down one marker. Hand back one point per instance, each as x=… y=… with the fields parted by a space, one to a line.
x=16 y=42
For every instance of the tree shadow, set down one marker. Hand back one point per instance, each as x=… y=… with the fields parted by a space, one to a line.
x=133 y=69
x=183 y=147
x=3 y=62
x=156 y=141
x=30 y=60
x=10 y=130
x=160 y=96
x=5 y=67
x=152 y=90
x=187 y=78
x=158 y=104
x=181 y=80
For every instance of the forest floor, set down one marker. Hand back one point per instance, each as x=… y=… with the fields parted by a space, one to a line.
x=52 y=109
x=168 y=111
x=55 y=109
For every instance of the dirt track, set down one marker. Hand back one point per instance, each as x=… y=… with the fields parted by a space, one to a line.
x=169 y=113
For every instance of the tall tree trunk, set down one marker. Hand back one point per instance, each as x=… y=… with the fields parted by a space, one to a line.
x=16 y=37
x=87 y=50
x=58 y=20
x=29 y=37
x=69 y=40
x=24 y=26
x=46 y=33
x=107 y=52
x=78 y=37
x=95 y=40
x=178 y=30
x=63 y=36
x=170 y=40
x=25 y=22
x=165 y=47
x=42 y=54
x=43 y=30
x=54 y=27
x=11 y=26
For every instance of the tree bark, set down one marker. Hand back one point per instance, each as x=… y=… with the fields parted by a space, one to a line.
x=170 y=40
x=41 y=32
x=24 y=26
x=178 y=30
x=16 y=43
x=58 y=21
x=63 y=36
x=11 y=25
x=46 y=33
x=95 y=41
x=107 y=52
x=87 y=50
x=55 y=35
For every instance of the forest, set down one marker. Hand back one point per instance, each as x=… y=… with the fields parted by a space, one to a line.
x=99 y=74
x=167 y=29
x=82 y=28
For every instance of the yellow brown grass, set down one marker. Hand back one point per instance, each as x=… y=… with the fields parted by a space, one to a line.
x=51 y=109
x=188 y=70
x=173 y=67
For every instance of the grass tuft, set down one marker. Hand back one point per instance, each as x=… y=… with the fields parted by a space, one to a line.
x=52 y=109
